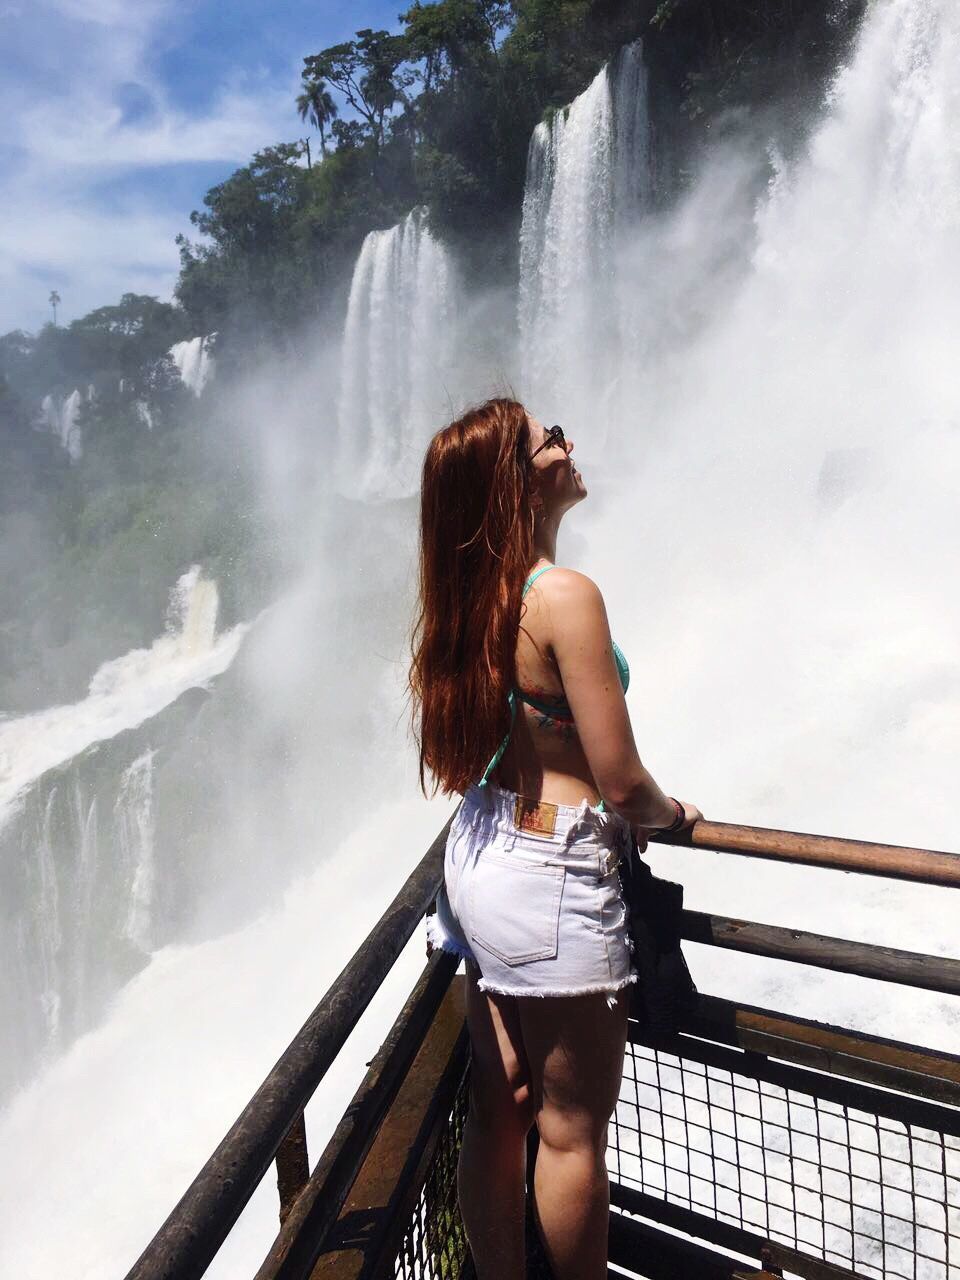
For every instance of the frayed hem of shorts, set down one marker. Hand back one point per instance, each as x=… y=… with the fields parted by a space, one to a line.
x=440 y=940
x=610 y=990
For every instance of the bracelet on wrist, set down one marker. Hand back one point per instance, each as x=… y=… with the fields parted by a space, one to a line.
x=679 y=818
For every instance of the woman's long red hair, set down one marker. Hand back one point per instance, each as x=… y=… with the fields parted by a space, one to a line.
x=476 y=545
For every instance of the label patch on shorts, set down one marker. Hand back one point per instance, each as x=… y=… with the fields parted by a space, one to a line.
x=541 y=820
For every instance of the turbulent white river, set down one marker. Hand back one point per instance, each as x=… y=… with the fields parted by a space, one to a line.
x=768 y=421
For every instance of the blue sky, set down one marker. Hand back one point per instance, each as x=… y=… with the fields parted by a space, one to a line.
x=119 y=114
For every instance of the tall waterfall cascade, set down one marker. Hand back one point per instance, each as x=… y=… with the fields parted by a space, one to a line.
x=144 y=413
x=59 y=414
x=589 y=179
x=396 y=361
x=133 y=815
x=194 y=362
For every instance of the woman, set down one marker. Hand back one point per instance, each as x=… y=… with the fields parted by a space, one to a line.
x=519 y=701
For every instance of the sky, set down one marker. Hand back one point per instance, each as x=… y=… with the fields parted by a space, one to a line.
x=118 y=116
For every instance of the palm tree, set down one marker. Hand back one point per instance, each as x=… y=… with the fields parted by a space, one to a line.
x=54 y=301
x=316 y=105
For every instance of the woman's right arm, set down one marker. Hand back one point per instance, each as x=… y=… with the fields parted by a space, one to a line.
x=583 y=649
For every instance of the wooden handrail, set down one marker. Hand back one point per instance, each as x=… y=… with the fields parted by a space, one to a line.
x=189 y=1239
x=899 y=862
x=294 y=1252
x=915 y=1071
x=865 y=959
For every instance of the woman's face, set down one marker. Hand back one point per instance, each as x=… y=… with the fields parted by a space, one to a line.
x=556 y=480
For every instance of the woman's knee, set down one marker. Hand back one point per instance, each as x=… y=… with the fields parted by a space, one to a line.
x=568 y=1130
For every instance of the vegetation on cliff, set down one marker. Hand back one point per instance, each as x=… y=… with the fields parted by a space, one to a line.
x=438 y=113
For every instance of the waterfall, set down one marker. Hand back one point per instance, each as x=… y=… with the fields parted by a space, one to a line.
x=588 y=180
x=397 y=355
x=49 y=933
x=60 y=416
x=870 y=221
x=775 y=552
x=133 y=814
x=123 y=692
x=78 y=870
x=194 y=362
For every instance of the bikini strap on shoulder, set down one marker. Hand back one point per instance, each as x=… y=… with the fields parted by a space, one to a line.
x=535 y=575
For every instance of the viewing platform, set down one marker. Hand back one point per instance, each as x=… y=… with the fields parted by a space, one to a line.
x=753 y=1144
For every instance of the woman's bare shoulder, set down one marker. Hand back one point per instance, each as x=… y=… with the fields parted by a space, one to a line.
x=564 y=590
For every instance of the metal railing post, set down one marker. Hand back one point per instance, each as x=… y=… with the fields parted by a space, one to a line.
x=188 y=1241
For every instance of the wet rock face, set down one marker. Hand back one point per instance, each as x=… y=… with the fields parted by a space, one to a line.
x=86 y=888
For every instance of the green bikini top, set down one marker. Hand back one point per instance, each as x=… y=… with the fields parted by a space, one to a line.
x=558 y=708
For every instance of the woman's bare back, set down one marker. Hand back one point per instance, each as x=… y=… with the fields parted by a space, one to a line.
x=545 y=758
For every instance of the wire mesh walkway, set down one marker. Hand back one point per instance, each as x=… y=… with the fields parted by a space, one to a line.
x=785 y=1155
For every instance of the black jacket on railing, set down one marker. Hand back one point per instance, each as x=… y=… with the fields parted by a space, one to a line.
x=665 y=994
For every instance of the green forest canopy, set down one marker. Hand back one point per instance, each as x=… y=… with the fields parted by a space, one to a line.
x=439 y=114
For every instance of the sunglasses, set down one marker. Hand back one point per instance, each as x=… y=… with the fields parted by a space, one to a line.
x=554 y=436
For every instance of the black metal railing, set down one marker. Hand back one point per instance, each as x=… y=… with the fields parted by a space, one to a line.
x=188 y=1241
x=381 y=1199
x=434 y=1244
x=829 y=1175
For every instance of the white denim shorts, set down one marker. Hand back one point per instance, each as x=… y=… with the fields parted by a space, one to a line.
x=534 y=899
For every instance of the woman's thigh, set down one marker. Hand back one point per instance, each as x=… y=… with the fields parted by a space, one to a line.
x=574 y=1049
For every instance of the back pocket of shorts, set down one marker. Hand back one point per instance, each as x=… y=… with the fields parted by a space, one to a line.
x=515 y=907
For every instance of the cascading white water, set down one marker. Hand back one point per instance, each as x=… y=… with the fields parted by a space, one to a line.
x=143 y=411
x=79 y=903
x=49 y=933
x=791 y=457
x=133 y=814
x=194 y=362
x=396 y=361
x=774 y=544
x=60 y=417
x=588 y=181
x=123 y=692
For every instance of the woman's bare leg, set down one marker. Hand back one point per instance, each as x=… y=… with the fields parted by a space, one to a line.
x=492 y=1170
x=574 y=1047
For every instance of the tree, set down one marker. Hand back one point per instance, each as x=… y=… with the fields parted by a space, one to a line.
x=122 y=339
x=451 y=35
x=254 y=265
x=252 y=209
x=133 y=315
x=368 y=73
x=316 y=105
x=54 y=302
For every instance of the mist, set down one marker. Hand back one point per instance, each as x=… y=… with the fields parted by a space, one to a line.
x=766 y=413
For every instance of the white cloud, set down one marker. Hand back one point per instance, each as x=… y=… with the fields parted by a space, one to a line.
x=90 y=256
x=70 y=132
x=238 y=123
x=112 y=13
